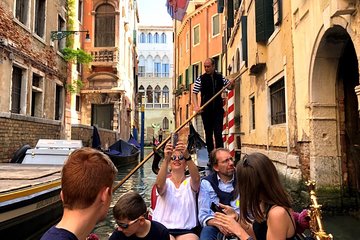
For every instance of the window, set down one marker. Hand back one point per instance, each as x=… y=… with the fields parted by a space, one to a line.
x=61 y=27
x=149 y=97
x=187 y=41
x=268 y=14
x=196 y=35
x=237 y=60
x=142 y=38
x=165 y=70
x=17 y=76
x=179 y=80
x=22 y=11
x=187 y=81
x=36 y=96
x=165 y=123
x=79 y=67
x=77 y=103
x=163 y=38
x=141 y=71
x=141 y=98
x=39 y=27
x=215 y=25
x=149 y=38
x=244 y=47
x=156 y=38
x=165 y=97
x=80 y=10
x=196 y=71
x=277 y=97
x=252 y=113
x=58 y=102
x=157 y=69
x=157 y=94
x=105 y=26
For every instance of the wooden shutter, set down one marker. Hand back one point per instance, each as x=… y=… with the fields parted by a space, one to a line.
x=244 y=39
x=230 y=13
x=220 y=6
x=264 y=19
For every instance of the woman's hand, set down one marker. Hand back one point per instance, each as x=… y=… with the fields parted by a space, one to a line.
x=229 y=211
x=168 y=151
x=229 y=224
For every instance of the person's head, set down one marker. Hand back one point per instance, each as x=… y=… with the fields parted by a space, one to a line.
x=177 y=161
x=209 y=66
x=258 y=181
x=129 y=213
x=87 y=177
x=222 y=163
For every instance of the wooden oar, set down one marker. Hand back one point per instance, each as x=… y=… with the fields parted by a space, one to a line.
x=234 y=76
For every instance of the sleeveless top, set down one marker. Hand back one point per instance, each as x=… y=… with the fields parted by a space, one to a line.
x=176 y=208
x=260 y=229
x=210 y=85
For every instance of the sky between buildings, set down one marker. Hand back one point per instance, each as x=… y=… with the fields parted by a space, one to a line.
x=154 y=12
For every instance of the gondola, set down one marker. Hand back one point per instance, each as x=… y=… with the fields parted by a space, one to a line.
x=30 y=188
x=123 y=153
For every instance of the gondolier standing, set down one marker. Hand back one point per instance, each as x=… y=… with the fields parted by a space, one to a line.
x=212 y=115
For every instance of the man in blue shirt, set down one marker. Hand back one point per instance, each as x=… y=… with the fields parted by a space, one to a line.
x=218 y=187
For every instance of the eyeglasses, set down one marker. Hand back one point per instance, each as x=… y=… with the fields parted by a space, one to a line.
x=180 y=157
x=227 y=160
x=126 y=225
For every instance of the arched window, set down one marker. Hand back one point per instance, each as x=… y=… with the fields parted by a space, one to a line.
x=149 y=66
x=165 y=66
x=149 y=38
x=157 y=66
x=141 y=72
x=105 y=26
x=165 y=123
x=165 y=97
x=142 y=38
x=163 y=38
x=156 y=38
x=149 y=97
x=157 y=94
x=141 y=93
x=237 y=60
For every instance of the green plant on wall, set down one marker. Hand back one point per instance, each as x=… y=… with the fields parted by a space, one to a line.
x=75 y=86
x=76 y=55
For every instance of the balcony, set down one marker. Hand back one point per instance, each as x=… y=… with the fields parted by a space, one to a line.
x=104 y=56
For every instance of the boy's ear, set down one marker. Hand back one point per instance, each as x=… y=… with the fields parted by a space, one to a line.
x=105 y=194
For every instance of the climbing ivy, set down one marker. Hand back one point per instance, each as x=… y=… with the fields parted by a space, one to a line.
x=76 y=55
x=75 y=86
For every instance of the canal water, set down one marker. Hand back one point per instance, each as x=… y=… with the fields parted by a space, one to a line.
x=342 y=227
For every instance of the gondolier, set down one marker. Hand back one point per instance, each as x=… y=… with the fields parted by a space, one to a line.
x=209 y=84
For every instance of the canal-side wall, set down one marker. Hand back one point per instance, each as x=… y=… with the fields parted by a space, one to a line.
x=17 y=130
x=84 y=133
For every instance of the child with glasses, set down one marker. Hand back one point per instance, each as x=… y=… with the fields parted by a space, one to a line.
x=262 y=197
x=130 y=213
x=176 y=200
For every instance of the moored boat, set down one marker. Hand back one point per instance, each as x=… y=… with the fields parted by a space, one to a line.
x=123 y=153
x=30 y=192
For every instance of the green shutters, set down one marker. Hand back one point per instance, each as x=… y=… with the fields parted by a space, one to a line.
x=220 y=6
x=244 y=39
x=264 y=19
x=230 y=13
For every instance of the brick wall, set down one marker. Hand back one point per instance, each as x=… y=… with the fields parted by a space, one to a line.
x=17 y=130
x=84 y=133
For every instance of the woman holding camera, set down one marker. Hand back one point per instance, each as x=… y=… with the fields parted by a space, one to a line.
x=176 y=200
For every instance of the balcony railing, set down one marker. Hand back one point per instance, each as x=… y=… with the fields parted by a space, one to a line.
x=105 y=55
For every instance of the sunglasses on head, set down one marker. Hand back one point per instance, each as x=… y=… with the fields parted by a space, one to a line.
x=180 y=157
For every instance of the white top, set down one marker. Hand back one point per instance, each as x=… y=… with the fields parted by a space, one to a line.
x=176 y=208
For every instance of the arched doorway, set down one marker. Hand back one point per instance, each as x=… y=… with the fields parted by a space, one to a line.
x=334 y=116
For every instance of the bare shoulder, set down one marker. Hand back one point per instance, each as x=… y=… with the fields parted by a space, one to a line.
x=278 y=213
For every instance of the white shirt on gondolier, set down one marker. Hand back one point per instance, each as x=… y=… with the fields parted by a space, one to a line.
x=176 y=208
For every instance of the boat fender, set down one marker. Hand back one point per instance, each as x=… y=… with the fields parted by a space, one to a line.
x=19 y=155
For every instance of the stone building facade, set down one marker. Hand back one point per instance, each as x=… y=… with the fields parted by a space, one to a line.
x=155 y=72
x=32 y=74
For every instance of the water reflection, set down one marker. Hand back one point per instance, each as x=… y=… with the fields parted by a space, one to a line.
x=141 y=181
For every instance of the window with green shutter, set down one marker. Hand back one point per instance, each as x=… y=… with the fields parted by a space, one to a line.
x=264 y=19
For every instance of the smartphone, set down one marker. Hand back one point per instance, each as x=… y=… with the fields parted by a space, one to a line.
x=174 y=139
x=215 y=208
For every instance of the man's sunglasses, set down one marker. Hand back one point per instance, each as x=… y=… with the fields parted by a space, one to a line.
x=126 y=225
